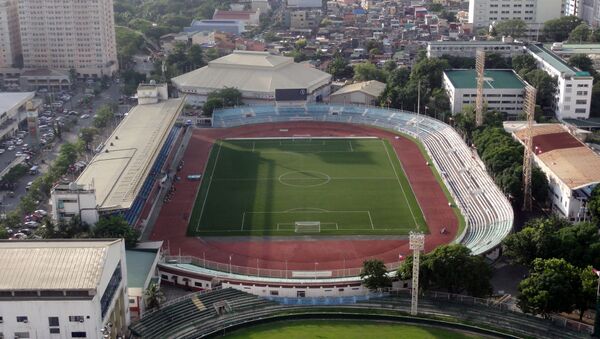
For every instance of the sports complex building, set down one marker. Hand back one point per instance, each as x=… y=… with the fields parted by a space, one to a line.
x=292 y=199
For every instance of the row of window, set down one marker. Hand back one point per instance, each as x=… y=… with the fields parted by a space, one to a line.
x=25 y=335
x=52 y=321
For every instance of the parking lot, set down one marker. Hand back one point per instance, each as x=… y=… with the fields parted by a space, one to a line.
x=48 y=150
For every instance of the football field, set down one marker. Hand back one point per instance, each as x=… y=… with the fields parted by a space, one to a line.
x=299 y=186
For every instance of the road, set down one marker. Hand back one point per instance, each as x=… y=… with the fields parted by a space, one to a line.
x=110 y=95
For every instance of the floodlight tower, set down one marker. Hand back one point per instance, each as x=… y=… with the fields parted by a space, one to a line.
x=480 y=68
x=416 y=243
x=529 y=108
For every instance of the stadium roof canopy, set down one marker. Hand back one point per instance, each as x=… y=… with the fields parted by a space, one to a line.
x=258 y=72
x=494 y=79
x=568 y=158
x=118 y=172
x=10 y=100
x=53 y=264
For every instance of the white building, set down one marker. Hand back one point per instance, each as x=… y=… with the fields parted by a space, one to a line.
x=63 y=289
x=574 y=92
x=587 y=10
x=69 y=34
x=503 y=91
x=114 y=177
x=361 y=93
x=305 y=3
x=142 y=271
x=256 y=75
x=468 y=49
x=483 y=13
x=10 y=37
x=571 y=167
x=13 y=111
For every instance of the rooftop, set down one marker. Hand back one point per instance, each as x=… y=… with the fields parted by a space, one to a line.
x=577 y=48
x=10 y=100
x=373 y=87
x=568 y=158
x=494 y=79
x=232 y=15
x=117 y=173
x=139 y=266
x=555 y=61
x=53 y=265
x=253 y=72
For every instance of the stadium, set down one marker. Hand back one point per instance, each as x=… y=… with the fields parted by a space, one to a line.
x=292 y=199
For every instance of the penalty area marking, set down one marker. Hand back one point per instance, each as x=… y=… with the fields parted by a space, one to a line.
x=306 y=211
x=208 y=189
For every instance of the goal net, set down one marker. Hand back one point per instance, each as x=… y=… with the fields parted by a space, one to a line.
x=306 y=138
x=307 y=226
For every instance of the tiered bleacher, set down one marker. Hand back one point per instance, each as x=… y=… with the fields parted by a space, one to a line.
x=132 y=214
x=488 y=213
x=192 y=312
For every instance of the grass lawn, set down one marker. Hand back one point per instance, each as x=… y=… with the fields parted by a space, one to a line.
x=343 y=330
x=263 y=187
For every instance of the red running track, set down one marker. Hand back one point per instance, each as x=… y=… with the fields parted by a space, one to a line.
x=172 y=222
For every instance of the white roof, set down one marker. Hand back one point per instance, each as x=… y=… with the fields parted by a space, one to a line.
x=373 y=88
x=10 y=100
x=53 y=265
x=118 y=175
x=253 y=72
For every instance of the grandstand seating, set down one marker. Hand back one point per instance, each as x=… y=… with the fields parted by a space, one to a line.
x=133 y=213
x=488 y=213
x=193 y=311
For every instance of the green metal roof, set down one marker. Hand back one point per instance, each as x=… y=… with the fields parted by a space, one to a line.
x=494 y=79
x=139 y=264
x=556 y=61
x=577 y=48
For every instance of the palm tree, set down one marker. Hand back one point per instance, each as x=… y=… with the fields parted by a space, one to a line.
x=154 y=296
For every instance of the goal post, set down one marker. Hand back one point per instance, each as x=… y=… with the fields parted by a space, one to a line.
x=307 y=138
x=307 y=226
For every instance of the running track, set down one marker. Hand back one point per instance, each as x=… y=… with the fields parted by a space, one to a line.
x=171 y=224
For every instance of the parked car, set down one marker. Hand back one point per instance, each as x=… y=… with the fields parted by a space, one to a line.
x=19 y=154
x=11 y=148
x=43 y=213
x=19 y=142
x=28 y=186
x=85 y=116
x=32 y=224
x=2 y=150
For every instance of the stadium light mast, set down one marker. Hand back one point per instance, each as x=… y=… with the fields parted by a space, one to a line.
x=529 y=107
x=416 y=243
x=480 y=68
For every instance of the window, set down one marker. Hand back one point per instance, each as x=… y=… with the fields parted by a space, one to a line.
x=78 y=335
x=581 y=102
x=53 y=321
x=54 y=330
x=275 y=293
x=76 y=318
x=22 y=319
x=111 y=289
x=21 y=335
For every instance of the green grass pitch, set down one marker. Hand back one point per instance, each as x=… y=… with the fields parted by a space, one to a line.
x=263 y=187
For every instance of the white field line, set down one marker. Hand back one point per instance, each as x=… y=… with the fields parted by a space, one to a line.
x=350 y=143
x=208 y=189
x=243 y=218
x=304 y=179
x=371 y=220
x=399 y=183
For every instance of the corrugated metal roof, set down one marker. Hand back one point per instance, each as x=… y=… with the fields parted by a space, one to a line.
x=52 y=265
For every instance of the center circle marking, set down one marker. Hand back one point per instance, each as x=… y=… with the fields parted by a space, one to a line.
x=318 y=179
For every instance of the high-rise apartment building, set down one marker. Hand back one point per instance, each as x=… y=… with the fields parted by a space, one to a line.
x=483 y=13
x=10 y=42
x=69 y=34
x=587 y=10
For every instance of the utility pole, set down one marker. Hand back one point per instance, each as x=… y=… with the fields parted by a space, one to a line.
x=480 y=68
x=416 y=243
x=529 y=106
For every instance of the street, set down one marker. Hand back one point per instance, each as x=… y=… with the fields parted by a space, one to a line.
x=110 y=95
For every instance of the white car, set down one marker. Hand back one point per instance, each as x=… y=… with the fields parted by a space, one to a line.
x=19 y=154
x=11 y=148
x=19 y=142
x=85 y=116
x=2 y=150
x=40 y=212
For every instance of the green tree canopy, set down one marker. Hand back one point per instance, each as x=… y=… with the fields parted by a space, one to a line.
x=515 y=28
x=560 y=28
x=367 y=71
x=583 y=62
x=524 y=64
x=226 y=97
x=552 y=286
x=545 y=84
x=451 y=268
x=374 y=274
x=593 y=204
x=580 y=34
x=116 y=227
x=340 y=69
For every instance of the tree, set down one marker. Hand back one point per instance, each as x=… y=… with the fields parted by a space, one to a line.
x=452 y=268
x=389 y=66
x=583 y=62
x=367 y=71
x=545 y=84
x=587 y=296
x=536 y=240
x=515 y=28
x=340 y=69
x=210 y=105
x=104 y=116
x=559 y=29
x=580 y=34
x=374 y=274
x=595 y=103
x=226 y=97
x=87 y=134
x=154 y=296
x=593 y=204
x=196 y=57
x=3 y=232
x=495 y=60
x=552 y=286
x=116 y=227
x=523 y=64
x=438 y=102
x=430 y=72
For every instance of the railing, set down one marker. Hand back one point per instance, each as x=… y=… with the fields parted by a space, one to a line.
x=225 y=269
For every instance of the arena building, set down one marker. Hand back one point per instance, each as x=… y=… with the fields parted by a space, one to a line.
x=503 y=91
x=129 y=168
x=571 y=167
x=63 y=289
x=257 y=75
